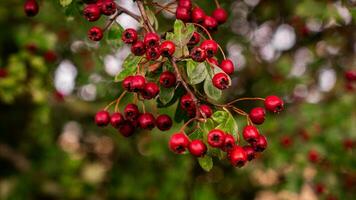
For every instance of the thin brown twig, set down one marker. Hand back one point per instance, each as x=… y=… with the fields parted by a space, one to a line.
x=118 y=101
x=144 y=15
x=246 y=99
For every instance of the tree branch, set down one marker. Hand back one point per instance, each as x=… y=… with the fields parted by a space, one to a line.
x=144 y=15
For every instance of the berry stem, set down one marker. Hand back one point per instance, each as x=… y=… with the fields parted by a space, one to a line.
x=217 y=3
x=131 y=14
x=165 y=7
x=222 y=52
x=187 y=123
x=144 y=16
x=143 y=107
x=245 y=99
x=204 y=29
x=109 y=105
x=118 y=101
x=112 y=20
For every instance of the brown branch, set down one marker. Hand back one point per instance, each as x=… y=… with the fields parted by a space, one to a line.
x=131 y=14
x=144 y=16
x=18 y=160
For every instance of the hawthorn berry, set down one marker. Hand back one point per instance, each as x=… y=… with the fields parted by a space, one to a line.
x=221 y=81
x=167 y=79
x=210 y=46
x=164 y=122
x=116 y=120
x=286 y=141
x=260 y=144
x=250 y=152
x=151 y=40
x=198 y=15
x=198 y=54
x=167 y=48
x=138 y=48
x=31 y=8
x=229 y=143
x=185 y=3
x=187 y=102
x=146 y=121
x=153 y=53
x=319 y=188
x=127 y=129
x=220 y=15
x=197 y=148
x=127 y=83
x=216 y=138
x=206 y=110
x=3 y=73
x=108 y=7
x=350 y=75
x=150 y=90
x=178 y=143
x=213 y=61
x=250 y=134
x=237 y=156
x=95 y=33
x=227 y=66
x=210 y=23
x=183 y=14
x=195 y=39
x=131 y=112
x=313 y=156
x=92 y=12
x=257 y=115
x=274 y=104
x=137 y=83
x=50 y=56
x=102 y=118
x=129 y=36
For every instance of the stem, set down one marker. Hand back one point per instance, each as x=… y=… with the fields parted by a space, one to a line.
x=246 y=99
x=143 y=107
x=187 y=123
x=205 y=30
x=217 y=3
x=165 y=7
x=109 y=105
x=222 y=52
x=118 y=101
x=131 y=14
x=112 y=20
x=144 y=15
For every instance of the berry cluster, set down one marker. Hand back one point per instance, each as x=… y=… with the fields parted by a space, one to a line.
x=31 y=8
x=350 y=77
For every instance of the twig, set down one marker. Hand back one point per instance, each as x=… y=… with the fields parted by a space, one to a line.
x=144 y=15
x=246 y=99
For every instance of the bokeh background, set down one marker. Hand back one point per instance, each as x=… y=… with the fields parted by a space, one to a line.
x=53 y=80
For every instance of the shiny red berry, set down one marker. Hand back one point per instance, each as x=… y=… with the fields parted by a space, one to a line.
x=187 y=103
x=151 y=40
x=185 y=3
x=150 y=90
x=257 y=115
x=31 y=8
x=221 y=81
x=250 y=152
x=198 y=15
x=167 y=48
x=50 y=56
x=313 y=156
x=146 y=121
x=350 y=75
x=164 y=122
x=213 y=61
x=227 y=66
x=197 y=148
x=238 y=156
x=117 y=119
x=127 y=129
x=216 y=138
x=198 y=54
x=95 y=33
x=131 y=112
x=127 y=83
x=178 y=143
x=183 y=14
x=138 y=83
x=167 y=79
x=108 y=7
x=153 y=53
x=229 y=143
x=250 y=134
x=210 y=23
x=260 y=144
x=102 y=118
x=129 y=36
x=91 y=12
x=138 y=48
x=220 y=15
x=195 y=39
x=210 y=46
x=274 y=104
x=206 y=110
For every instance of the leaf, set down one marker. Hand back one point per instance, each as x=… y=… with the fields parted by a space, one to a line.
x=182 y=33
x=65 y=3
x=229 y=125
x=152 y=18
x=124 y=73
x=166 y=94
x=131 y=61
x=115 y=32
x=197 y=134
x=206 y=127
x=196 y=72
x=210 y=90
x=206 y=163
x=220 y=116
x=170 y=36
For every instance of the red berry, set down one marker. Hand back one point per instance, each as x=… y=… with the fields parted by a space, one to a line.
x=3 y=73
x=185 y=3
x=198 y=15
x=237 y=157
x=187 y=103
x=313 y=156
x=117 y=119
x=260 y=144
x=195 y=39
x=31 y=8
x=197 y=148
x=153 y=53
x=221 y=81
x=227 y=66
x=257 y=115
x=178 y=143
x=220 y=15
x=250 y=134
x=127 y=83
x=50 y=56
x=206 y=110
x=164 y=122
x=129 y=36
x=138 y=48
x=127 y=129
x=151 y=40
x=213 y=61
x=131 y=112
x=250 y=152
x=198 y=54
x=274 y=104
x=319 y=188
x=150 y=90
x=210 y=46
x=108 y=7
x=286 y=141
x=183 y=14
x=167 y=79
x=138 y=83
x=92 y=12
x=167 y=48
x=95 y=33
x=216 y=138
x=350 y=75
x=229 y=143
x=210 y=23
x=102 y=118
x=146 y=121
x=348 y=143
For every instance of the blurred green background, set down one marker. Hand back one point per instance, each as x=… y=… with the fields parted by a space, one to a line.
x=53 y=80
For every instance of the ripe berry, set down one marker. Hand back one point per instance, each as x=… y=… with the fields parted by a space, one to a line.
x=146 y=121
x=153 y=53
x=313 y=156
x=137 y=83
x=250 y=152
x=350 y=75
x=127 y=129
x=257 y=115
x=197 y=148
x=227 y=66
x=127 y=83
x=163 y=122
x=213 y=61
x=167 y=79
x=198 y=54
x=229 y=143
x=187 y=103
x=150 y=90
x=260 y=144
x=185 y=3
x=210 y=23
x=117 y=119
x=31 y=8
x=216 y=138
x=167 y=48
x=220 y=15
x=238 y=156
x=195 y=39
x=50 y=56
x=108 y=7
x=206 y=110
x=319 y=188
x=183 y=14
x=151 y=40
x=129 y=36
x=138 y=48
x=95 y=33
x=250 y=134
x=286 y=141
x=178 y=143
x=3 y=73
x=131 y=112
x=92 y=12
x=198 y=15
x=274 y=104
x=102 y=118
x=210 y=46
x=221 y=81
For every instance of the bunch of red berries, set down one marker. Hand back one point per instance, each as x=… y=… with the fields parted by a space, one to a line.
x=350 y=77
x=31 y=8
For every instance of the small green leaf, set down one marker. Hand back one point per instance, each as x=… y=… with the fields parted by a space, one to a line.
x=206 y=127
x=124 y=73
x=196 y=72
x=220 y=116
x=210 y=90
x=197 y=134
x=152 y=18
x=115 y=32
x=229 y=125
x=206 y=163
x=166 y=94
x=65 y=3
x=170 y=36
x=131 y=61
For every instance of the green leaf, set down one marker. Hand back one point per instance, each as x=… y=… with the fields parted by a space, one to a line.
x=124 y=73
x=131 y=61
x=220 y=116
x=65 y=3
x=170 y=36
x=206 y=163
x=166 y=94
x=197 y=134
x=196 y=72
x=229 y=125
x=206 y=127
x=115 y=32
x=210 y=90
x=152 y=18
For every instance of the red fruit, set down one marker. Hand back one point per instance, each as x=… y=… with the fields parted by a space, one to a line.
x=127 y=83
x=183 y=14
x=108 y=7
x=221 y=81
x=117 y=119
x=250 y=134
x=261 y=143
x=238 y=157
x=210 y=46
x=102 y=118
x=185 y=3
x=129 y=36
x=178 y=143
x=206 y=110
x=50 y=56
x=150 y=90
x=91 y=12
x=274 y=104
x=313 y=156
x=198 y=15
x=250 y=152
x=220 y=15
x=319 y=188
x=187 y=103
x=153 y=53
x=138 y=83
x=3 y=73
x=348 y=144
x=146 y=121
x=95 y=33
x=167 y=48
x=227 y=66
x=213 y=61
x=257 y=115
x=286 y=141
x=195 y=39
x=138 y=48
x=164 y=122
x=229 y=143
x=210 y=23
x=31 y=8
x=198 y=54
x=197 y=148
x=127 y=129
x=216 y=138
x=350 y=75
x=131 y=112
x=167 y=79
x=151 y=40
